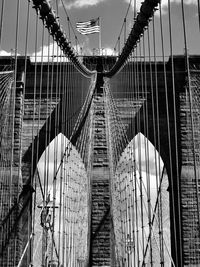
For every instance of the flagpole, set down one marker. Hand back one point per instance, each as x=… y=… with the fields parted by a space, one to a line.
x=100 y=36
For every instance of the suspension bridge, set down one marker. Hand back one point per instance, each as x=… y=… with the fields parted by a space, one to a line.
x=99 y=155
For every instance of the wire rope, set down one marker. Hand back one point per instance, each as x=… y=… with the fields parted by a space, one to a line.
x=191 y=109
x=169 y=140
x=1 y=21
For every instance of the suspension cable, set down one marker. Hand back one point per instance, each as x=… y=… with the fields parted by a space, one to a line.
x=141 y=22
x=53 y=25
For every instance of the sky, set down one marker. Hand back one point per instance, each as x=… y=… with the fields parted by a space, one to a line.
x=112 y=13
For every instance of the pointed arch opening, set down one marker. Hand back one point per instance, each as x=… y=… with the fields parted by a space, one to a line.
x=60 y=206
x=140 y=207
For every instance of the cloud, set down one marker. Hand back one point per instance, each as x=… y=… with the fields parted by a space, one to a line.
x=187 y=2
x=107 y=51
x=85 y=47
x=5 y=53
x=52 y=53
x=55 y=53
x=164 y=3
x=147 y=159
x=82 y=3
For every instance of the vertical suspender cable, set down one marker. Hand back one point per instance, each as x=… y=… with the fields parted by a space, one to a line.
x=175 y=119
x=138 y=140
x=64 y=122
x=12 y=192
x=198 y=6
x=135 y=173
x=146 y=116
x=55 y=144
x=148 y=152
x=39 y=118
x=33 y=125
x=1 y=22
x=14 y=94
x=39 y=102
x=29 y=257
x=169 y=139
x=140 y=150
x=69 y=35
x=157 y=157
x=124 y=30
x=52 y=99
x=191 y=112
x=45 y=178
x=61 y=171
x=118 y=45
x=143 y=96
x=134 y=164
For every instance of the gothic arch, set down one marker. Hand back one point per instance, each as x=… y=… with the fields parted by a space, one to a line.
x=131 y=168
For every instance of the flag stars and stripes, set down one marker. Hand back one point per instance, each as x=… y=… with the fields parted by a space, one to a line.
x=88 y=27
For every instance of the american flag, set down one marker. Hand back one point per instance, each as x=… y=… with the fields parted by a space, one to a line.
x=88 y=27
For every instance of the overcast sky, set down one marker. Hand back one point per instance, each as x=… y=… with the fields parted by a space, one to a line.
x=112 y=13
